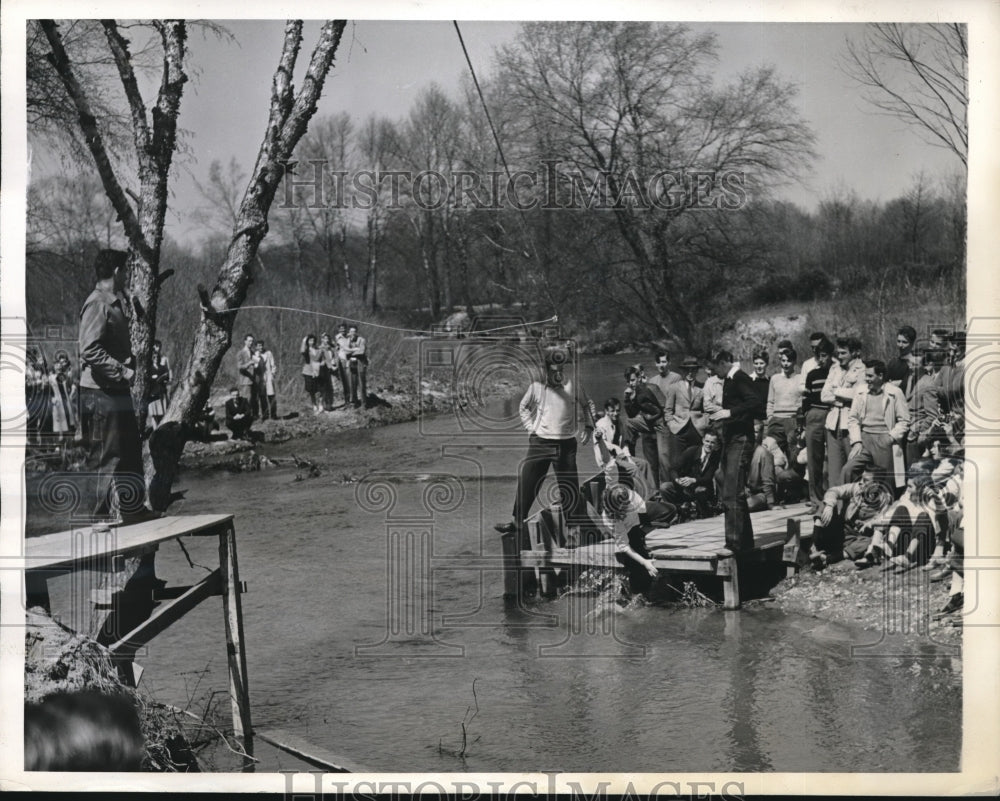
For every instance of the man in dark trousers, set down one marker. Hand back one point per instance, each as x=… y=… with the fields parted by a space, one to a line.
x=248 y=378
x=644 y=413
x=116 y=487
x=552 y=410
x=740 y=406
x=693 y=478
x=238 y=415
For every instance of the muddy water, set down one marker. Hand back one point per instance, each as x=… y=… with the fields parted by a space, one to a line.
x=376 y=627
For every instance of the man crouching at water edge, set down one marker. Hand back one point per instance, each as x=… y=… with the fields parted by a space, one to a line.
x=624 y=514
x=548 y=411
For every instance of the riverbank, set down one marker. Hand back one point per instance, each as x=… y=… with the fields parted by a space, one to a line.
x=900 y=605
x=403 y=397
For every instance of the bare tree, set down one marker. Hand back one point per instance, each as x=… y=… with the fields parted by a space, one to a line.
x=426 y=144
x=141 y=212
x=327 y=149
x=222 y=191
x=622 y=102
x=289 y=117
x=917 y=73
x=374 y=142
x=51 y=112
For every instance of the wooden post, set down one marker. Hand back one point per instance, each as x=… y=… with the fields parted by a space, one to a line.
x=791 y=554
x=558 y=525
x=541 y=537
x=239 y=691
x=511 y=564
x=730 y=582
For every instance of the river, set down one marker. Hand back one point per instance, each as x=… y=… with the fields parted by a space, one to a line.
x=376 y=628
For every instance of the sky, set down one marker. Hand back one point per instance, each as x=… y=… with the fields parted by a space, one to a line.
x=382 y=66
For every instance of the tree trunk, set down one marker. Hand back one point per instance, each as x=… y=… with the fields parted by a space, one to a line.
x=289 y=116
x=154 y=148
x=347 y=267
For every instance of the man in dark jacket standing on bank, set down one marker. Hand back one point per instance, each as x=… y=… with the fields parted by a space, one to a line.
x=740 y=405
x=107 y=417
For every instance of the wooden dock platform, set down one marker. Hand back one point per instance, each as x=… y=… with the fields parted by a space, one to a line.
x=695 y=547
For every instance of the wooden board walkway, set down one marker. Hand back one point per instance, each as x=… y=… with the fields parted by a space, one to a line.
x=80 y=546
x=695 y=547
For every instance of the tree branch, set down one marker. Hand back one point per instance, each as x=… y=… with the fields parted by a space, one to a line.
x=95 y=143
x=123 y=61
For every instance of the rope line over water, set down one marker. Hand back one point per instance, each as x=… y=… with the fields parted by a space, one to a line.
x=553 y=319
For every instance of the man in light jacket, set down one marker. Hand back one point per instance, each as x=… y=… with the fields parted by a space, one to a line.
x=846 y=374
x=682 y=411
x=877 y=424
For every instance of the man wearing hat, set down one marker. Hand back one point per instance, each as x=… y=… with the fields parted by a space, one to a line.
x=107 y=416
x=683 y=410
x=549 y=411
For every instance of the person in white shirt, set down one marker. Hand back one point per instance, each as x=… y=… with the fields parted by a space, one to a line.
x=614 y=456
x=624 y=513
x=548 y=412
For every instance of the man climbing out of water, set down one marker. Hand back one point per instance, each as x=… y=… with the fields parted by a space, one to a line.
x=548 y=411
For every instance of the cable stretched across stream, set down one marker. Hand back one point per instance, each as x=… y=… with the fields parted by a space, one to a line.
x=553 y=319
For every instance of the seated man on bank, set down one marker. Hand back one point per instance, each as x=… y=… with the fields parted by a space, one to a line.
x=205 y=425
x=770 y=480
x=843 y=530
x=692 y=481
x=613 y=455
x=624 y=515
x=907 y=530
x=238 y=416
x=925 y=515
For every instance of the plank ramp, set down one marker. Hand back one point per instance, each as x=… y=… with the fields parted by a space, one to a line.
x=70 y=548
x=307 y=752
x=694 y=541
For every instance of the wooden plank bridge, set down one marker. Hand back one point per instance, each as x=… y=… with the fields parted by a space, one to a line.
x=695 y=547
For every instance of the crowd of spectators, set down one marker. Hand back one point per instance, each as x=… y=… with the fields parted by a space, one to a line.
x=333 y=365
x=874 y=448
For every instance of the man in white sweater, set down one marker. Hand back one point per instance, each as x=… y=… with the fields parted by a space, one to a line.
x=549 y=413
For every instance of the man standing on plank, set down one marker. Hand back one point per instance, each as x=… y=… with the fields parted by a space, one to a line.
x=548 y=411
x=740 y=406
